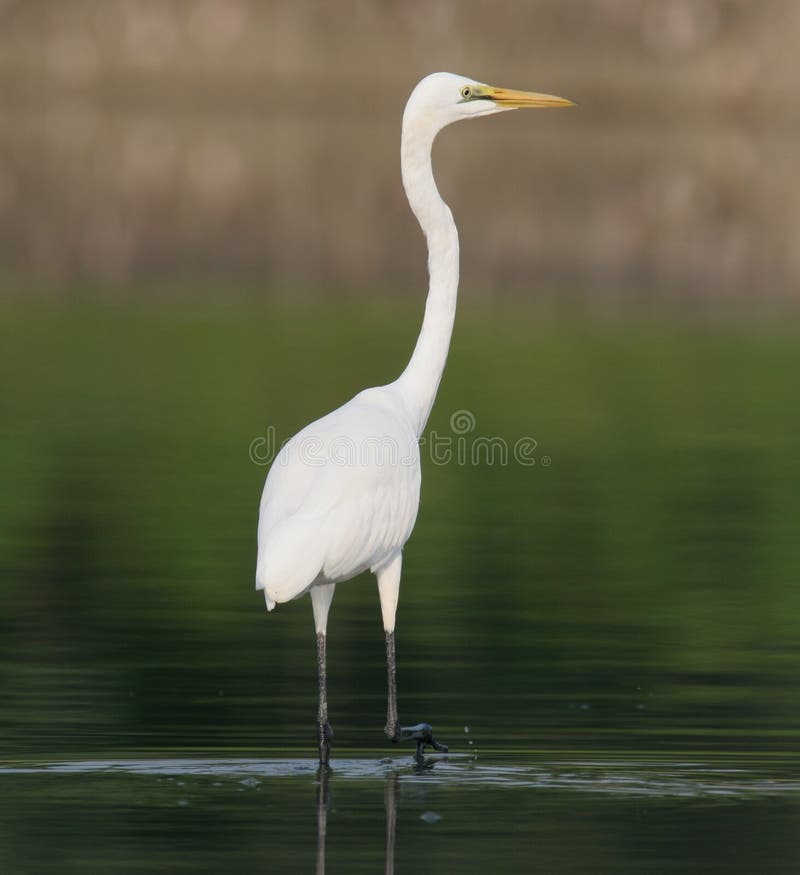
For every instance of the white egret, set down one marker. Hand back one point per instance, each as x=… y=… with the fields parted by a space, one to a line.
x=342 y=495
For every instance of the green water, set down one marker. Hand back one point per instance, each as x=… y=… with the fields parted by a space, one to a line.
x=606 y=638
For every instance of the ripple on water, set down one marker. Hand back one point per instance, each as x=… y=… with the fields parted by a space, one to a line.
x=613 y=777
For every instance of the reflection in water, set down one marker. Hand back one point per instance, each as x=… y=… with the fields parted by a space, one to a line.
x=322 y=816
x=323 y=799
x=390 y=804
x=142 y=814
x=656 y=780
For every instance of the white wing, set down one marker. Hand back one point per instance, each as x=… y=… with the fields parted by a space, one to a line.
x=342 y=496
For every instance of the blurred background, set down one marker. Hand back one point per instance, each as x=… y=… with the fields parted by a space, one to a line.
x=204 y=243
x=232 y=141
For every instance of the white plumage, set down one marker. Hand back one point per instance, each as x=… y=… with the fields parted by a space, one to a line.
x=342 y=495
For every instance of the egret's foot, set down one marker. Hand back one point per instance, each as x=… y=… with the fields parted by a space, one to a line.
x=422 y=734
x=325 y=739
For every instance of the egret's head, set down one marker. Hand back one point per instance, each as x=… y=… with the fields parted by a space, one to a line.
x=443 y=98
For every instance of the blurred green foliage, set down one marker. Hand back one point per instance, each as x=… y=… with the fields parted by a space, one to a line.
x=640 y=591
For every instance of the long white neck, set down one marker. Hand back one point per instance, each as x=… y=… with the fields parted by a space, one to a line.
x=420 y=380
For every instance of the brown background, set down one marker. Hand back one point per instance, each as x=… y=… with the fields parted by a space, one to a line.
x=149 y=144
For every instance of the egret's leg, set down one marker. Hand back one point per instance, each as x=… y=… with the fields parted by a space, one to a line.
x=325 y=734
x=392 y=728
x=422 y=733
x=321 y=598
x=389 y=591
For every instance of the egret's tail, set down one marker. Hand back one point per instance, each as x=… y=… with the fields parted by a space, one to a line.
x=289 y=561
x=276 y=593
x=270 y=598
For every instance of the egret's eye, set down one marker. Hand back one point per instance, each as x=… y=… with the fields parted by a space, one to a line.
x=466 y=92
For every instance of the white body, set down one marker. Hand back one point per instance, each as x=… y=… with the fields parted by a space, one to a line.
x=342 y=495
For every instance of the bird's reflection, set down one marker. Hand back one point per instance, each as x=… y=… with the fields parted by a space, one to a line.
x=324 y=778
x=390 y=804
x=323 y=795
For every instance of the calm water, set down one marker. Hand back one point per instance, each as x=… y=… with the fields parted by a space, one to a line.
x=607 y=638
x=278 y=815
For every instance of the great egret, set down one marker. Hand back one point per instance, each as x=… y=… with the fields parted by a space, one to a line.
x=342 y=495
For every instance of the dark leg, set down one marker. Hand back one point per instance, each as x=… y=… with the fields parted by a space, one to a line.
x=325 y=731
x=422 y=733
x=392 y=728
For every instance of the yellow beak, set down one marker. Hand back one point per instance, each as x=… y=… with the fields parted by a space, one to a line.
x=509 y=99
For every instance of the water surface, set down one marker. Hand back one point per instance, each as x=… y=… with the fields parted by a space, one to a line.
x=606 y=638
